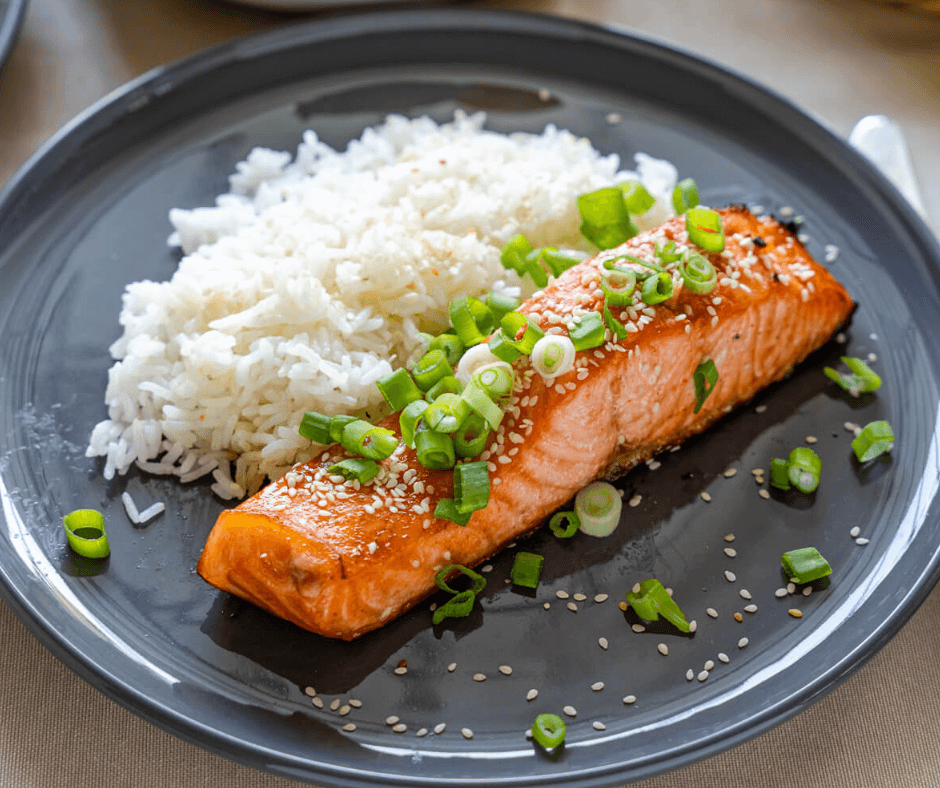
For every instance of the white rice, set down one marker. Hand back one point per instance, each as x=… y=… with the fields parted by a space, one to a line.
x=312 y=277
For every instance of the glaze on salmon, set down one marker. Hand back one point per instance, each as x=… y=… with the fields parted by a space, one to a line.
x=341 y=558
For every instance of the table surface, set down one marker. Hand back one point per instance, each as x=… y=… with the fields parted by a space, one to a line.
x=838 y=60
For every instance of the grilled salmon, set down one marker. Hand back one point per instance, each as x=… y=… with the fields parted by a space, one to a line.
x=341 y=558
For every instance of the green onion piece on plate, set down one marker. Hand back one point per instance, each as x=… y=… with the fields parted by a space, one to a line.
x=409 y=420
x=526 y=569
x=652 y=600
x=635 y=197
x=588 y=333
x=472 y=437
x=435 y=450
x=477 y=580
x=399 y=389
x=704 y=379
x=685 y=196
x=458 y=606
x=860 y=378
x=698 y=274
x=316 y=427
x=533 y=268
x=603 y=207
x=565 y=524
x=705 y=229
x=447 y=413
x=598 y=507
x=657 y=288
x=361 y=470
x=461 y=603
x=503 y=348
x=515 y=323
x=338 y=424
x=803 y=469
x=611 y=235
x=780 y=474
x=446 y=509
x=85 y=531
x=805 y=565
x=874 y=440
x=471 y=486
x=548 y=731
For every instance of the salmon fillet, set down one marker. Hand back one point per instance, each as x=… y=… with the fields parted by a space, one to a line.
x=342 y=558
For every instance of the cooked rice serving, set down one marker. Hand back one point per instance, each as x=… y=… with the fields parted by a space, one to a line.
x=312 y=278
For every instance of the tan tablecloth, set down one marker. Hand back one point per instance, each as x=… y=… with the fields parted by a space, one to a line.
x=839 y=60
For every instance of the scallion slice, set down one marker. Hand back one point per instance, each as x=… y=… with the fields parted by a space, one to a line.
x=611 y=235
x=705 y=229
x=471 y=486
x=458 y=606
x=805 y=565
x=780 y=474
x=667 y=251
x=473 y=359
x=521 y=330
x=635 y=197
x=598 y=507
x=803 y=469
x=553 y=355
x=657 y=288
x=450 y=345
x=603 y=207
x=616 y=327
x=446 y=385
x=471 y=319
x=472 y=437
x=526 y=569
x=447 y=413
x=423 y=346
x=704 y=379
x=548 y=731
x=409 y=419
x=446 y=509
x=499 y=305
x=355 y=468
x=337 y=425
x=698 y=274
x=374 y=443
x=503 y=348
x=874 y=440
x=85 y=531
x=478 y=582
x=860 y=378
x=514 y=253
x=461 y=603
x=478 y=399
x=533 y=268
x=398 y=389
x=618 y=286
x=565 y=524
x=495 y=379
x=431 y=368
x=316 y=427
x=435 y=450
x=588 y=332
x=652 y=600
x=685 y=196
x=647 y=268
x=560 y=261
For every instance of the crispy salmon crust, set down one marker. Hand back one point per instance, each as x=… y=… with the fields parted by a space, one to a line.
x=340 y=559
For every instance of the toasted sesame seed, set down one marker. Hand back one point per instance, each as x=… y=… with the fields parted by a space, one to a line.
x=344 y=709
x=730 y=552
x=730 y=472
x=335 y=704
x=689 y=674
x=623 y=606
x=693 y=625
x=479 y=677
x=571 y=711
x=580 y=597
x=635 y=500
x=356 y=704
x=738 y=617
x=709 y=665
x=760 y=409
x=855 y=532
x=310 y=691
x=629 y=700
x=401 y=671
x=743 y=642
x=662 y=648
x=730 y=576
x=861 y=541
x=421 y=732
x=705 y=496
x=811 y=439
x=764 y=493
x=638 y=628
x=745 y=594
x=636 y=588
x=750 y=608
x=506 y=670
x=796 y=613
x=597 y=686
x=452 y=667
x=562 y=594
x=780 y=593
x=466 y=733
x=392 y=720
x=440 y=727
x=729 y=537
x=602 y=642
x=791 y=587
x=532 y=694
x=600 y=598
x=318 y=702
x=711 y=612
x=572 y=607
x=599 y=726
x=722 y=657
x=703 y=675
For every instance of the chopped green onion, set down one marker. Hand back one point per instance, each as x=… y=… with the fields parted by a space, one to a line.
x=635 y=197
x=588 y=333
x=803 y=469
x=446 y=509
x=355 y=468
x=598 y=507
x=503 y=348
x=399 y=389
x=479 y=400
x=698 y=273
x=534 y=268
x=472 y=437
x=705 y=229
x=500 y=305
x=805 y=565
x=471 y=486
x=477 y=580
x=648 y=268
x=338 y=424
x=548 y=731
x=704 y=379
x=514 y=253
x=423 y=346
x=316 y=427
x=558 y=262
x=618 y=286
x=667 y=251
x=447 y=413
x=495 y=379
x=780 y=474
x=374 y=443
x=657 y=288
x=611 y=235
x=685 y=196
x=458 y=606
x=859 y=380
x=515 y=322
x=874 y=440
x=603 y=207
x=435 y=450
x=431 y=368
x=526 y=569
x=616 y=327
x=450 y=345
x=565 y=524
x=476 y=357
x=446 y=385
x=553 y=355
x=461 y=603
x=85 y=531
x=471 y=319
x=653 y=600
x=409 y=420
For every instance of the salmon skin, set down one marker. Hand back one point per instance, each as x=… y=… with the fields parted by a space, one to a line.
x=342 y=558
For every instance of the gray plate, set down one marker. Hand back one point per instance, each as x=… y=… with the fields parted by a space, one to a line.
x=87 y=215
x=11 y=17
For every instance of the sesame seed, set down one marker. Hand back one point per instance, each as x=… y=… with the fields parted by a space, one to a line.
x=562 y=594
x=466 y=733
x=738 y=617
x=392 y=720
x=335 y=704
x=349 y=727
x=730 y=576
x=600 y=598
x=452 y=667
x=745 y=594
x=743 y=642
x=421 y=732
x=318 y=702
x=401 y=671
x=709 y=665
x=703 y=675
x=861 y=541
x=310 y=691
x=750 y=608
x=344 y=709
x=780 y=593
x=795 y=612
x=532 y=694
x=623 y=606
x=356 y=704
x=572 y=607
x=663 y=649
x=580 y=598
x=602 y=642
x=760 y=409
x=635 y=500
x=689 y=674
x=636 y=588
x=764 y=493
x=479 y=677
x=730 y=472
x=440 y=728
x=629 y=700
x=638 y=628
x=791 y=587
x=705 y=496
x=730 y=552
x=712 y=613
x=722 y=657
x=811 y=439
x=729 y=537
x=546 y=605
x=855 y=532
x=571 y=711
x=807 y=591
x=506 y=670
x=599 y=726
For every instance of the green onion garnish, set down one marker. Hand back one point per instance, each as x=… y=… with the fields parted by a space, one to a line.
x=657 y=288
x=698 y=273
x=514 y=253
x=447 y=413
x=648 y=268
x=616 y=327
x=588 y=333
x=598 y=507
x=803 y=469
x=471 y=319
x=553 y=355
x=685 y=196
x=435 y=450
x=534 y=268
x=652 y=600
x=450 y=345
x=478 y=581
x=355 y=468
x=458 y=606
x=548 y=731
x=399 y=389
x=859 y=380
x=606 y=220
x=805 y=565
x=362 y=438
x=471 y=438
x=409 y=420
x=446 y=509
x=666 y=251
x=471 y=486
x=705 y=229
x=558 y=262
x=704 y=379
x=337 y=425
x=515 y=323
x=500 y=305
x=495 y=379
x=780 y=474
x=635 y=197
x=432 y=366
x=446 y=385
x=618 y=286
x=478 y=399
x=503 y=348
x=874 y=440
x=565 y=524
x=84 y=529
x=526 y=569
x=316 y=427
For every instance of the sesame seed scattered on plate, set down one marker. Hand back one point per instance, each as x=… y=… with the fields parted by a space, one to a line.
x=743 y=642
x=703 y=675
x=466 y=733
x=730 y=472
x=862 y=541
x=440 y=727
x=689 y=674
x=811 y=439
x=547 y=605
x=729 y=537
x=750 y=608
x=349 y=727
x=506 y=670
x=760 y=409
x=600 y=598
x=745 y=594
x=356 y=704
x=580 y=597
x=311 y=692
x=452 y=667
x=602 y=642
x=855 y=532
x=571 y=711
x=795 y=612
x=711 y=612
x=730 y=552
x=335 y=704
x=738 y=617
x=599 y=726
x=318 y=702
x=629 y=700
x=764 y=493
x=532 y=694
x=479 y=677
x=635 y=500
x=421 y=732
x=693 y=625
x=572 y=607
x=401 y=671
x=730 y=576
x=780 y=593
x=705 y=496
x=562 y=594
x=709 y=665
x=392 y=720
x=638 y=628
x=722 y=657
x=344 y=709
x=663 y=649
x=597 y=686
